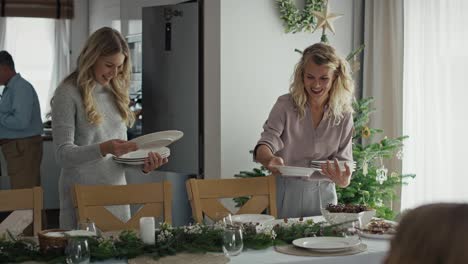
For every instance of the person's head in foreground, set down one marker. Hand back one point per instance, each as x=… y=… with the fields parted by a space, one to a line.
x=432 y=234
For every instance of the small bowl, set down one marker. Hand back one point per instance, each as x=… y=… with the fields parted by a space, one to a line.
x=52 y=243
x=337 y=218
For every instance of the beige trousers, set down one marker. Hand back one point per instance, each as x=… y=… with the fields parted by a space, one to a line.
x=23 y=158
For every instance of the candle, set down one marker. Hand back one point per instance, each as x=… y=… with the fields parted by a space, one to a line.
x=147 y=229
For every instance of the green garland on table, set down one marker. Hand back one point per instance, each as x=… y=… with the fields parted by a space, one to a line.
x=171 y=240
x=296 y=20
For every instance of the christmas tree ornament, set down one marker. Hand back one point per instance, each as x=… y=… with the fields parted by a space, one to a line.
x=324 y=21
x=399 y=154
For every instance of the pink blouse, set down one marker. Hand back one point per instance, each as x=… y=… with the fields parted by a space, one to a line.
x=298 y=142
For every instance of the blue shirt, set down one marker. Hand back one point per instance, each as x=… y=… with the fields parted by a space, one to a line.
x=20 y=112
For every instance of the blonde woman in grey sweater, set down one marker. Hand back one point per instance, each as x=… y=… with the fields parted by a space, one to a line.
x=90 y=115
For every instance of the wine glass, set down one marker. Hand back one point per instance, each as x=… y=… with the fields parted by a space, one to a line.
x=232 y=240
x=353 y=229
x=158 y=221
x=77 y=251
x=90 y=226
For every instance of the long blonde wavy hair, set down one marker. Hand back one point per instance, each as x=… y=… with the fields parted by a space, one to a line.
x=103 y=42
x=342 y=91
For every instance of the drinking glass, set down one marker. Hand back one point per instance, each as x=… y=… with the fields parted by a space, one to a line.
x=89 y=226
x=232 y=240
x=77 y=251
x=158 y=221
x=353 y=229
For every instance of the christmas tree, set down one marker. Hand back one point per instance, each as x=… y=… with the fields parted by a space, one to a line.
x=370 y=183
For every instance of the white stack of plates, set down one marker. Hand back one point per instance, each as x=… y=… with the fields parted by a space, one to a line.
x=154 y=142
x=317 y=164
x=327 y=244
x=138 y=157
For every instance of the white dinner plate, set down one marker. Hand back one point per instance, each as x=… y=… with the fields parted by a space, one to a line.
x=295 y=171
x=135 y=162
x=328 y=244
x=130 y=162
x=318 y=163
x=128 y=159
x=158 y=139
x=252 y=218
x=143 y=153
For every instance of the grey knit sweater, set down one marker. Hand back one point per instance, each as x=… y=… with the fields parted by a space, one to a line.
x=77 y=150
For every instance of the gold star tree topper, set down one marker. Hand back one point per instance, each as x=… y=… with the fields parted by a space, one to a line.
x=324 y=18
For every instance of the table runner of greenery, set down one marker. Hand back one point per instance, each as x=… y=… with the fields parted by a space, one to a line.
x=170 y=240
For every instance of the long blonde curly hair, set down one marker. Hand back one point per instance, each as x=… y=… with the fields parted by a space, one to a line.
x=103 y=42
x=342 y=90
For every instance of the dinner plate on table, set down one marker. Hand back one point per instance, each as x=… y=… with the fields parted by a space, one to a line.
x=158 y=139
x=327 y=244
x=252 y=218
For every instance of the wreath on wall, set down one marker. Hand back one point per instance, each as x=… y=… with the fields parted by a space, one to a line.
x=296 y=20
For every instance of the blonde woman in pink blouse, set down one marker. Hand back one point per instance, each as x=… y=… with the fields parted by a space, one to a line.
x=312 y=122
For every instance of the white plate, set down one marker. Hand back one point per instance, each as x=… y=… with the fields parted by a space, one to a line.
x=130 y=162
x=252 y=218
x=327 y=243
x=318 y=163
x=135 y=162
x=143 y=153
x=295 y=171
x=157 y=139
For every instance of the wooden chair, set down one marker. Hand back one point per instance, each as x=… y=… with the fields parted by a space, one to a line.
x=204 y=196
x=92 y=199
x=23 y=199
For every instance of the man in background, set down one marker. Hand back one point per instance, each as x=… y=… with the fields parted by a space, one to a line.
x=20 y=126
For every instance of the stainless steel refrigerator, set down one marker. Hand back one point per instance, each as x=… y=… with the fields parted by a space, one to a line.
x=172 y=90
x=172 y=93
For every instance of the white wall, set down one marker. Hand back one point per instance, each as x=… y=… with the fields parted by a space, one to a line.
x=257 y=61
x=104 y=13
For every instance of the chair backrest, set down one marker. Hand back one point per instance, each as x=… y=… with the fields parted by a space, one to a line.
x=204 y=196
x=24 y=199
x=91 y=200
